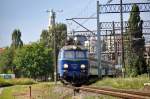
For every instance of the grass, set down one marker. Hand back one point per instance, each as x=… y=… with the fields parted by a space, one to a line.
x=39 y=91
x=46 y=90
x=8 y=92
x=16 y=81
x=120 y=83
x=124 y=83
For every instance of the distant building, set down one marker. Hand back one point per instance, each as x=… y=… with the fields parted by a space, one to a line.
x=90 y=44
x=7 y=76
x=93 y=42
x=113 y=44
x=147 y=53
x=113 y=48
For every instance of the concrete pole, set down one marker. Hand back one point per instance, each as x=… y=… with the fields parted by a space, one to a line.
x=55 y=52
x=52 y=22
x=99 y=42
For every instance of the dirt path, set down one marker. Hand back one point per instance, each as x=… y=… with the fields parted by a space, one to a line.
x=1 y=89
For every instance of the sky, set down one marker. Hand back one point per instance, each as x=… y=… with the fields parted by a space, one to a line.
x=31 y=18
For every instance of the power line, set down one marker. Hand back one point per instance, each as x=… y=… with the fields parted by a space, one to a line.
x=86 y=19
x=86 y=9
x=109 y=1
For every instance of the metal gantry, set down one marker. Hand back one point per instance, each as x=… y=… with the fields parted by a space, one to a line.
x=111 y=29
x=115 y=8
x=119 y=8
x=107 y=29
x=109 y=25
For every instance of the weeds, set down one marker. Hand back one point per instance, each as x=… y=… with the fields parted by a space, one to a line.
x=124 y=83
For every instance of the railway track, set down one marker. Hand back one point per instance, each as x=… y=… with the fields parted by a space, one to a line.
x=125 y=94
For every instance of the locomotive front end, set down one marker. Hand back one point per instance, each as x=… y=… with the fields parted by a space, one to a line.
x=73 y=65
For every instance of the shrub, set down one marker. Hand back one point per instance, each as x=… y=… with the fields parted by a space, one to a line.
x=22 y=81
x=4 y=82
x=16 y=81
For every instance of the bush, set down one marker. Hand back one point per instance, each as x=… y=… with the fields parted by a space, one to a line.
x=4 y=82
x=22 y=81
x=16 y=81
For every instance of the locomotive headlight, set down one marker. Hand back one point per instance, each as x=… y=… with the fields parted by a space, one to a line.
x=65 y=65
x=82 y=66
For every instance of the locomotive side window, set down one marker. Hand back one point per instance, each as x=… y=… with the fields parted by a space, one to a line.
x=86 y=54
x=69 y=54
x=59 y=55
x=80 y=54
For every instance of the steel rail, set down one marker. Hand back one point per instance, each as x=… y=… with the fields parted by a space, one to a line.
x=124 y=91
x=125 y=94
x=115 y=93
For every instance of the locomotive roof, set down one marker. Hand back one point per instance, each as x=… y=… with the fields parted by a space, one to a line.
x=73 y=47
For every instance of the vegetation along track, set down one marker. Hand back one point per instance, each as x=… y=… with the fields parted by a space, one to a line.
x=125 y=94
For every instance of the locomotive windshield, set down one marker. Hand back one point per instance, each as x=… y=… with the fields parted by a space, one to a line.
x=71 y=54
x=80 y=54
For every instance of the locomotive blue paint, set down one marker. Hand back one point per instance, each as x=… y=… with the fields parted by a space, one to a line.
x=75 y=58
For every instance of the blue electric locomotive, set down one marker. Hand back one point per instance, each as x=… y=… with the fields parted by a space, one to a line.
x=73 y=64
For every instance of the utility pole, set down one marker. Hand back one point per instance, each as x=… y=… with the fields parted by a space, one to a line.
x=52 y=16
x=98 y=42
x=122 y=43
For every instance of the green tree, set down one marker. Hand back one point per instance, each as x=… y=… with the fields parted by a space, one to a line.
x=61 y=35
x=16 y=39
x=135 y=45
x=47 y=37
x=44 y=37
x=6 y=57
x=34 y=61
x=60 y=31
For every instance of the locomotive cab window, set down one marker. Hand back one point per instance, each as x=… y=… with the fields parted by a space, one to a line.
x=80 y=54
x=69 y=54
